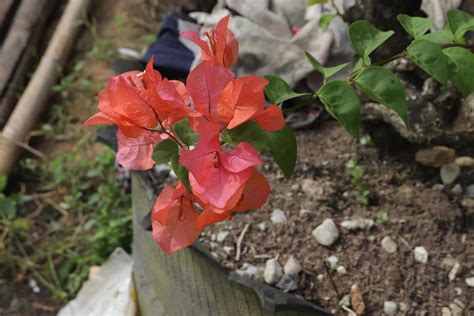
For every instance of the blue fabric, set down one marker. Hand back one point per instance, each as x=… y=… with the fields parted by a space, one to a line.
x=172 y=59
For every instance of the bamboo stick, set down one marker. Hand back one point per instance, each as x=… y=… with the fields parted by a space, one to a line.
x=34 y=99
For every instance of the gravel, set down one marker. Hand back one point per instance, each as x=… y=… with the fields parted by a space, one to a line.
x=326 y=233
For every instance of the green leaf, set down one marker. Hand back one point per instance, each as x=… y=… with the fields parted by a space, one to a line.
x=165 y=150
x=460 y=22
x=343 y=104
x=325 y=20
x=365 y=38
x=313 y=2
x=3 y=182
x=185 y=133
x=325 y=71
x=181 y=172
x=443 y=36
x=280 y=144
x=461 y=68
x=415 y=26
x=429 y=57
x=382 y=86
x=278 y=91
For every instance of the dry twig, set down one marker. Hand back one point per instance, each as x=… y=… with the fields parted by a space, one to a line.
x=239 y=242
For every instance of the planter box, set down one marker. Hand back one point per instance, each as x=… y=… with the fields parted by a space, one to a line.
x=191 y=282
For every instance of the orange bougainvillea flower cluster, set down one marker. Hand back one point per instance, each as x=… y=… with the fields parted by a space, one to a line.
x=210 y=130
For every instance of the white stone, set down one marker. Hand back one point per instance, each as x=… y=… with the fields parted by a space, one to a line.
x=455 y=270
x=326 y=233
x=222 y=235
x=278 y=217
x=421 y=255
x=449 y=173
x=320 y=277
x=445 y=311
x=305 y=212
x=390 y=308
x=341 y=270
x=287 y=283
x=389 y=245
x=403 y=307
x=311 y=188
x=228 y=249
x=359 y=223
x=292 y=266
x=262 y=226
x=448 y=263
x=457 y=189
x=345 y=301
x=273 y=271
x=470 y=281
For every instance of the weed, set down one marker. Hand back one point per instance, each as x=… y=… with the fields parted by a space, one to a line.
x=356 y=172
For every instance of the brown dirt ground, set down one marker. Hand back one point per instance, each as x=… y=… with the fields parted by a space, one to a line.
x=419 y=216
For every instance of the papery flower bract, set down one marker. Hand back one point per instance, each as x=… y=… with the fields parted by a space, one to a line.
x=205 y=83
x=216 y=175
x=221 y=49
x=135 y=153
x=174 y=219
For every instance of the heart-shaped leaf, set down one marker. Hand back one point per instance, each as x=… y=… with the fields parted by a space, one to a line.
x=414 y=25
x=278 y=91
x=366 y=38
x=325 y=71
x=429 y=57
x=461 y=69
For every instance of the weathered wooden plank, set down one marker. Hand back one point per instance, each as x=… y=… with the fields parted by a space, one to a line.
x=7 y=9
x=190 y=282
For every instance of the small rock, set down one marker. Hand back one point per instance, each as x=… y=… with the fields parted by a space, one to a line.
x=320 y=277
x=468 y=202
x=470 y=191
x=287 y=283
x=456 y=269
x=389 y=245
x=445 y=311
x=345 y=301
x=262 y=226
x=458 y=291
x=326 y=233
x=371 y=238
x=295 y=187
x=304 y=213
x=438 y=187
x=34 y=286
x=403 y=307
x=248 y=270
x=360 y=223
x=273 y=271
x=465 y=161
x=457 y=189
x=448 y=263
x=449 y=173
x=341 y=270
x=332 y=262
x=278 y=217
x=228 y=249
x=456 y=310
x=213 y=237
x=292 y=266
x=421 y=255
x=436 y=157
x=470 y=281
x=222 y=235
x=390 y=308
x=312 y=188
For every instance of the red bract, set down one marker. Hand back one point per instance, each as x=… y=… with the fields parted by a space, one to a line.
x=221 y=49
x=216 y=179
x=135 y=153
x=217 y=175
x=174 y=219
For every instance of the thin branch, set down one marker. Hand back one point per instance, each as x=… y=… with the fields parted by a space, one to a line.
x=239 y=242
x=25 y=146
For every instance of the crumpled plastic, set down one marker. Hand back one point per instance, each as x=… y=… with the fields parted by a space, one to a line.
x=108 y=292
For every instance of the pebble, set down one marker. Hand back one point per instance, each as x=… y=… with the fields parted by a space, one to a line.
x=449 y=173
x=445 y=311
x=292 y=266
x=448 y=263
x=333 y=262
x=320 y=277
x=278 y=217
x=456 y=310
x=248 y=270
x=390 y=308
x=465 y=161
x=455 y=270
x=34 y=286
x=345 y=301
x=326 y=233
x=228 y=249
x=457 y=189
x=341 y=270
x=287 y=283
x=438 y=187
x=470 y=281
x=273 y=271
x=311 y=188
x=436 y=157
x=458 y=291
x=389 y=245
x=403 y=307
x=421 y=255
x=470 y=190
x=359 y=223
x=222 y=235
x=304 y=213
x=262 y=226
x=295 y=187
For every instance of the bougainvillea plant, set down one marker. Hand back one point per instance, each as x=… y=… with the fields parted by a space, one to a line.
x=213 y=129
x=210 y=130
